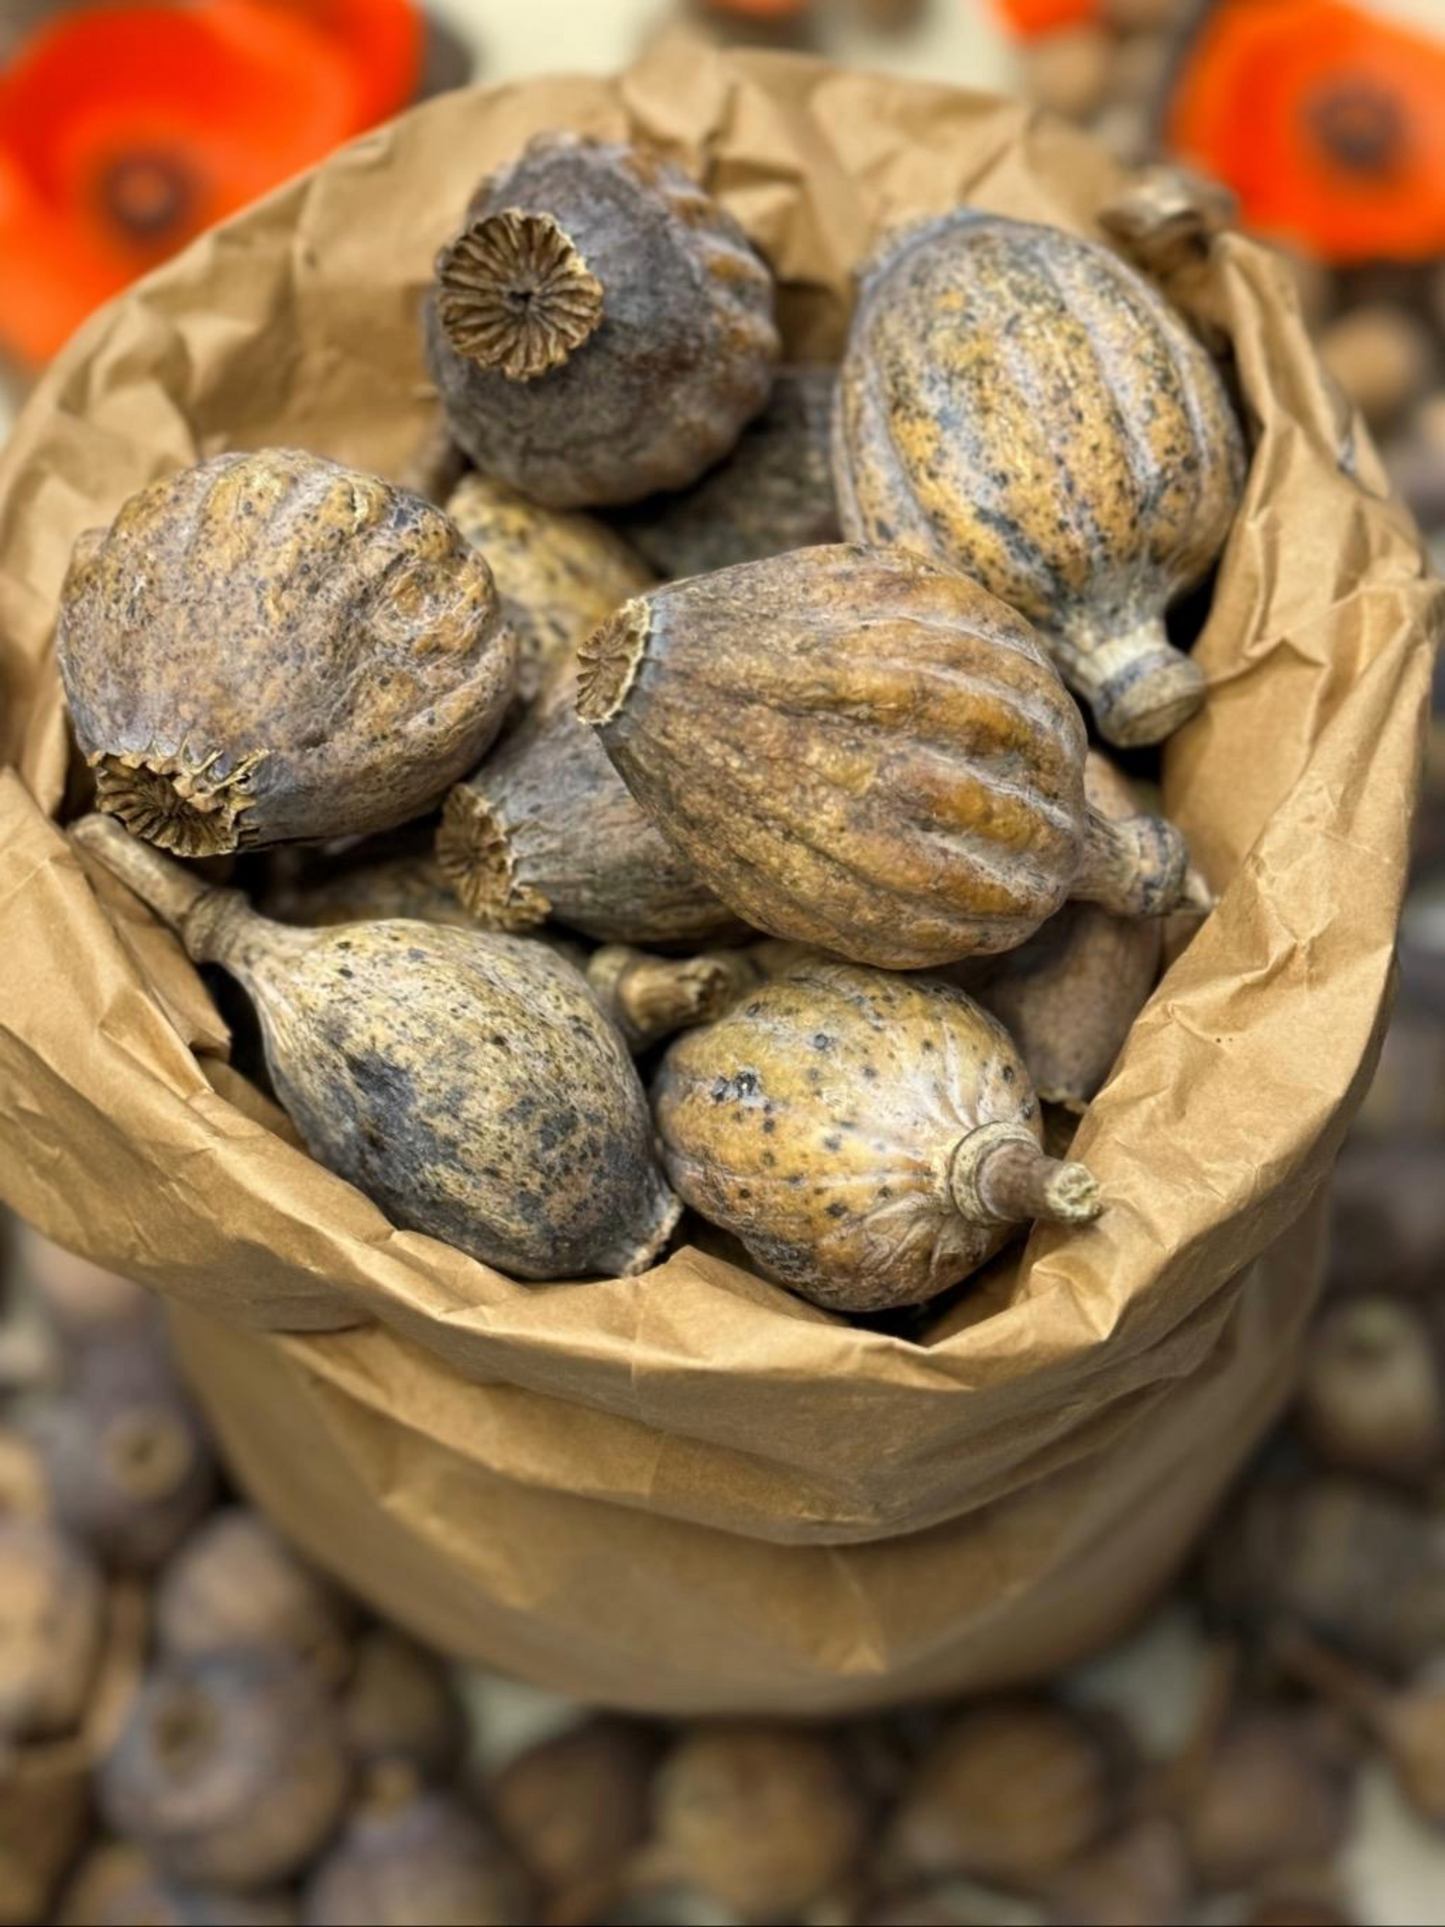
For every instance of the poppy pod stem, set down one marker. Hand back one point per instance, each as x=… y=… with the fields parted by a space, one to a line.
x=1139 y=686
x=652 y=997
x=999 y=1174
x=1138 y=867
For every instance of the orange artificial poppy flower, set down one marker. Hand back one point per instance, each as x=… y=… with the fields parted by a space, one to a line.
x=1029 y=18
x=383 y=40
x=127 y=130
x=1327 y=121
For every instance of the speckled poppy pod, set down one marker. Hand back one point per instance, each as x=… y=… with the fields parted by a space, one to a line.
x=599 y=328
x=468 y=1084
x=1023 y=406
x=857 y=750
x=271 y=647
x=870 y=1138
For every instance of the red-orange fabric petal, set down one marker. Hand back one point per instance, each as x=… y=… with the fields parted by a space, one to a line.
x=383 y=40
x=1326 y=120
x=1032 y=17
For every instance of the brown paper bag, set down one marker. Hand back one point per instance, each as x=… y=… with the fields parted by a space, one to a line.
x=691 y=1490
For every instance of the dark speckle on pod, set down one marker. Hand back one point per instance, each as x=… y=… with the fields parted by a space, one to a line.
x=857 y=750
x=600 y=328
x=762 y=1131
x=272 y=647
x=558 y=573
x=1025 y=407
x=774 y=492
x=468 y=1084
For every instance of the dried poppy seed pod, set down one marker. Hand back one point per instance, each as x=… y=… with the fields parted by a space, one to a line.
x=1371 y=1397
x=546 y=828
x=575 y=1807
x=1270 y=1793
x=271 y=647
x=1134 y=1879
x=1009 y=1791
x=558 y=574
x=600 y=328
x=127 y=1462
x=235 y=1583
x=399 y=1705
x=410 y=1858
x=1354 y=1563
x=412 y=888
x=1409 y=1724
x=117 y=1886
x=871 y=1138
x=763 y=1819
x=229 y=1770
x=649 y=998
x=1023 y=406
x=767 y=719
x=468 y=1084
x=1069 y=996
x=52 y=1608
x=773 y=493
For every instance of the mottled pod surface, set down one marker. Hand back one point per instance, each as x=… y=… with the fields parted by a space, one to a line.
x=467 y=1083
x=547 y=828
x=558 y=573
x=271 y=647
x=774 y=492
x=871 y=1138
x=1024 y=406
x=600 y=328
x=860 y=751
x=1069 y=995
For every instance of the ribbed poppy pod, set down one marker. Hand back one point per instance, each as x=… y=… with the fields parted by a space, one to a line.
x=1023 y=406
x=858 y=750
x=269 y=648
x=871 y=1138
x=599 y=327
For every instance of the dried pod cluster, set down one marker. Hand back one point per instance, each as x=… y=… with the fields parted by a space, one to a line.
x=600 y=327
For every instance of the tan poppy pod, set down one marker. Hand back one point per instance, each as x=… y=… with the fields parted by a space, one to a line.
x=1069 y=996
x=271 y=647
x=1024 y=406
x=558 y=573
x=599 y=328
x=404 y=886
x=859 y=751
x=52 y=1609
x=546 y=828
x=871 y=1138
x=774 y=492
x=468 y=1084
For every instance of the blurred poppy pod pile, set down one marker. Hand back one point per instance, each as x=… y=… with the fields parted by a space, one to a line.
x=126 y=130
x=1327 y=120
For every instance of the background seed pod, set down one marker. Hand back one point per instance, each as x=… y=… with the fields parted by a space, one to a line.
x=269 y=647
x=773 y=493
x=870 y=1137
x=761 y=1818
x=600 y=328
x=766 y=719
x=1022 y=405
x=558 y=574
x=230 y=1770
x=468 y=1084
x=116 y=1886
x=1372 y=1390
x=575 y=1807
x=52 y=1607
x=410 y=1858
x=235 y=1583
x=399 y=1705
x=405 y=887
x=547 y=828
x=1271 y=1794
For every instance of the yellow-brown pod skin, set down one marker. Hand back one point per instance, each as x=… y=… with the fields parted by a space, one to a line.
x=1069 y=995
x=774 y=492
x=1022 y=405
x=859 y=751
x=547 y=828
x=828 y=1120
x=558 y=573
x=271 y=647
x=600 y=328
